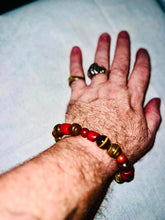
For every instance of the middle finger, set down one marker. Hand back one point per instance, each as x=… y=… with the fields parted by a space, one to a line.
x=102 y=57
x=121 y=62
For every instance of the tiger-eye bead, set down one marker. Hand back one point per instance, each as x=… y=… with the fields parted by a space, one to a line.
x=75 y=129
x=103 y=142
x=114 y=150
x=125 y=166
x=56 y=131
x=118 y=178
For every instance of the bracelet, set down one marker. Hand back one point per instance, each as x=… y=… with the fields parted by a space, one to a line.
x=126 y=170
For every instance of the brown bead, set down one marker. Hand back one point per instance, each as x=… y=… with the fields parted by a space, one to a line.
x=56 y=131
x=114 y=150
x=118 y=178
x=103 y=142
x=125 y=166
x=75 y=129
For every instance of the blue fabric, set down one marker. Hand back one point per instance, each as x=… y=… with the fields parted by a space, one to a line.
x=35 y=43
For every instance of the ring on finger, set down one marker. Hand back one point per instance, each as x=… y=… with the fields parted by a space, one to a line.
x=73 y=78
x=95 y=69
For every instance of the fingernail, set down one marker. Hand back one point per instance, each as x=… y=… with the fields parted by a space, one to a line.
x=105 y=37
x=123 y=34
x=76 y=50
x=142 y=50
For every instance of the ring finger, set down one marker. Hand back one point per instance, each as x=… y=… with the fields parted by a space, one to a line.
x=76 y=70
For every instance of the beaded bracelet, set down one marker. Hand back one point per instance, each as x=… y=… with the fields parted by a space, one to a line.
x=126 y=170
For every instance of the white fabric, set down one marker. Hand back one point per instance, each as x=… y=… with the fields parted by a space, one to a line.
x=35 y=43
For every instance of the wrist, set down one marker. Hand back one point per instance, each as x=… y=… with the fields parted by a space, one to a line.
x=90 y=154
x=126 y=171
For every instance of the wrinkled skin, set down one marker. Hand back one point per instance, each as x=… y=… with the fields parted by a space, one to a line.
x=113 y=105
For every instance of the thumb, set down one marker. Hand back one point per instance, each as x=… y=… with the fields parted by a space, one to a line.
x=153 y=117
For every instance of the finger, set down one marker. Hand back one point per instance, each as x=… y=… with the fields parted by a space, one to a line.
x=139 y=78
x=121 y=62
x=153 y=117
x=76 y=69
x=102 y=51
x=102 y=57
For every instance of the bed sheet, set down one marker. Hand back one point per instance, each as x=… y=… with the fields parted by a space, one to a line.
x=35 y=43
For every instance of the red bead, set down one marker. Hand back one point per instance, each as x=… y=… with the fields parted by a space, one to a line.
x=121 y=158
x=126 y=175
x=84 y=132
x=64 y=128
x=54 y=134
x=92 y=135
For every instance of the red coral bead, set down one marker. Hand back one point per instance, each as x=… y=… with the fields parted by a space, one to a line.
x=121 y=158
x=64 y=128
x=126 y=175
x=54 y=134
x=84 y=132
x=92 y=135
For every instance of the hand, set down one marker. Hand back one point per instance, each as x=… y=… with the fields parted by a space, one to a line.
x=113 y=105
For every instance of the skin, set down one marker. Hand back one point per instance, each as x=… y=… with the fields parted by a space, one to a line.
x=69 y=180
x=114 y=105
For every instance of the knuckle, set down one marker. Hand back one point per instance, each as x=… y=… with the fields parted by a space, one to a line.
x=120 y=68
x=103 y=61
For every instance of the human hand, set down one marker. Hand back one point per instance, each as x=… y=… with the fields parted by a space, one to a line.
x=113 y=105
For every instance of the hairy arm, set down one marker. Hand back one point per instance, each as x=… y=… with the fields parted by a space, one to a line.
x=63 y=181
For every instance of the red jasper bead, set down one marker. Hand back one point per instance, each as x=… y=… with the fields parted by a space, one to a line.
x=92 y=135
x=126 y=175
x=121 y=158
x=64 y=128
x=54 y=134
x=84 y=132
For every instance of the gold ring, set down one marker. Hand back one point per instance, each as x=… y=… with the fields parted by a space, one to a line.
x=73 y=78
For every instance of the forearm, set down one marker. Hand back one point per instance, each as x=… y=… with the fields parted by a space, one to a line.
x=67 y=178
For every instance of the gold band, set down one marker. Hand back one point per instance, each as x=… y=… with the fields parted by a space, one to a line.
x=73 y=78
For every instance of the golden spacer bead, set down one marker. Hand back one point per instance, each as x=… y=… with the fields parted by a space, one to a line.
x=58 y=138
x=114 y=150
x=118 y=178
